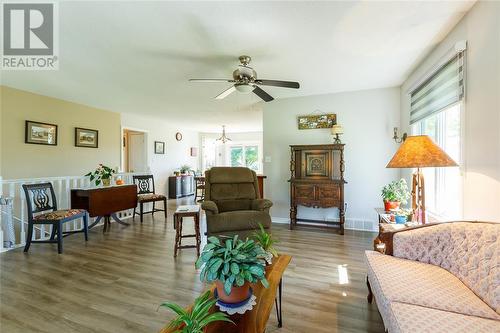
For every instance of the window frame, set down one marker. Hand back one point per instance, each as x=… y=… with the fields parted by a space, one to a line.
x=418 y=128
x=245 y=144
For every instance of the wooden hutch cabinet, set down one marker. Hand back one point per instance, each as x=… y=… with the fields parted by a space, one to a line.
x=317 y=180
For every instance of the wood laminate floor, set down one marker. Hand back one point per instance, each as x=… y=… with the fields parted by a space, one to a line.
x=116 y=281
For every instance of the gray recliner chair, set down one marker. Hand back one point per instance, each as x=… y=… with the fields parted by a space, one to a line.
x=232 y=202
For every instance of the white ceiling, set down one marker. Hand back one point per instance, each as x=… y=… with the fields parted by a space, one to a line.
x=136 y=57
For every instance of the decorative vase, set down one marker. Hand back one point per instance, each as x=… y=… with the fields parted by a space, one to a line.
x=106 y=182
x=388 y=205
x=237 y=295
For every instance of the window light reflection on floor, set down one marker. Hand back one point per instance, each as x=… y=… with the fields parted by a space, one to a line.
x=343 y=276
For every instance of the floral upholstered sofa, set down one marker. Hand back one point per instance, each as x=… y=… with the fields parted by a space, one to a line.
x=439 y=278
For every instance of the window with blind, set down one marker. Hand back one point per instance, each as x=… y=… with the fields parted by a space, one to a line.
x=442 y=89
x=436 y=107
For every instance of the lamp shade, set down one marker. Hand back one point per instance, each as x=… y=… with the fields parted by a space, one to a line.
x=420 y=152
x=337 y=129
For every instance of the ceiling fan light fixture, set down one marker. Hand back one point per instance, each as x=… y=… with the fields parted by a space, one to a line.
x=244 y=88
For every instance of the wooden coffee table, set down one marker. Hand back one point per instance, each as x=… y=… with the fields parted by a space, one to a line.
x=254 y=321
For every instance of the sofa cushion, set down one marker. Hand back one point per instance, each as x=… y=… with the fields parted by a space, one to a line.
x=400 y=280
x=470 y=251
x=232 y=205
x=238 y=220
x=230 y=175
x=408 y=318
x=232 y=191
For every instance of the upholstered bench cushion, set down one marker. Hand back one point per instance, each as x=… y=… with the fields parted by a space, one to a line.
x=407 y=318
x=400 y=280
x=150 y=197
x=59 y=214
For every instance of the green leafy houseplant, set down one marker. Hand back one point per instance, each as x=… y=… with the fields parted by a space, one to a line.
x=397 y=191
x=185 y=168
x=267 y=241
x=101 y=174
x=198 y=317
x=232 y=263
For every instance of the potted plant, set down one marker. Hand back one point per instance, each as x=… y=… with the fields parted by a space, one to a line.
x=394 y=194
x=233 y=265
x=267 y=241
x=101 y=174
x=185 y=169
x=195 y=319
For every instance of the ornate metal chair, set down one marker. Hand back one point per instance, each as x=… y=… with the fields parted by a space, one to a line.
x=146 y=193
x=42 y=209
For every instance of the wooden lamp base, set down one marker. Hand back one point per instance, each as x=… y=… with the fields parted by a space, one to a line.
x=418 y=196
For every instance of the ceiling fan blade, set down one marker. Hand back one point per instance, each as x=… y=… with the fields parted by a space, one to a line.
x=262 y=94
x=276 y=83
x=211 y=80
x=225 y=93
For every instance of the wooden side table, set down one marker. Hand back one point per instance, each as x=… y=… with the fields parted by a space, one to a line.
x=187 y=211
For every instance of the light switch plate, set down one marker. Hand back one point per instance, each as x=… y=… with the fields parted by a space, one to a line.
x=267 y=159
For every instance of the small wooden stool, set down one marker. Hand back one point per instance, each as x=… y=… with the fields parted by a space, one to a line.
x=187 y=211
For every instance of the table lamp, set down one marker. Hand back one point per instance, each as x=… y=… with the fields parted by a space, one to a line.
x=419 y=152
x=337 y=130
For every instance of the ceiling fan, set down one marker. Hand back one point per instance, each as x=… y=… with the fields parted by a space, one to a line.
x=245 y=81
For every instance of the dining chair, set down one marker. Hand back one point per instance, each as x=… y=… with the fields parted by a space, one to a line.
x=146 y=193
x=42 y=209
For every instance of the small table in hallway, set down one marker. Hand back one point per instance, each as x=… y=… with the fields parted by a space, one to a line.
x=105 y=202
x=181 y=212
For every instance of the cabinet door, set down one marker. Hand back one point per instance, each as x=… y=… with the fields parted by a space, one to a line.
x=305 y=194
x=178 y=186
x=328 y=195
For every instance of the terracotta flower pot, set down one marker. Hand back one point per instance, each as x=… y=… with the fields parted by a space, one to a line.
x=238 y=294
x=388 y=205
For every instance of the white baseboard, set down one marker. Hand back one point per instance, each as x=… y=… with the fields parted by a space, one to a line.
x=350 y=223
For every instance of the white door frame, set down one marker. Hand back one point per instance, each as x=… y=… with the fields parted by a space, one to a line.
x=146 y=144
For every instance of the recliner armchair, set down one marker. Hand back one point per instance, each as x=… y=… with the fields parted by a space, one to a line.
x=232 y=202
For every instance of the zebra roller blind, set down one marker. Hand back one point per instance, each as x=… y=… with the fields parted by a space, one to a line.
x=442 y=89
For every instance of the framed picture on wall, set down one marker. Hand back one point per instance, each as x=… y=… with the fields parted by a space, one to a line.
x=40 y=133
x=87 y=138
x=317 y=121
x=159 y=147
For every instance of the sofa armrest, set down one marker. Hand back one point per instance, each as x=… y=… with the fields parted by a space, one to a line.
x=210 y=207
x=261 y=204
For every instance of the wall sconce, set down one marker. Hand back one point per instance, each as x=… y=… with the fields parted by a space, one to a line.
x=396 y=136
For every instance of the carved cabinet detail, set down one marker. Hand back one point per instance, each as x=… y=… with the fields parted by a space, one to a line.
x=317 y=180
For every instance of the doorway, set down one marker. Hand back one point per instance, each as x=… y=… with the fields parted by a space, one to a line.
x=134 y=151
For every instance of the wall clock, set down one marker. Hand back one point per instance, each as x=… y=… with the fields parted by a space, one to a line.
x=178 y=136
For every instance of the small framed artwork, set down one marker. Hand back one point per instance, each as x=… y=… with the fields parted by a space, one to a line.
x=40 y=133
x=159 y=147
x=194 y=151
x=178 y=136
x=87 y=138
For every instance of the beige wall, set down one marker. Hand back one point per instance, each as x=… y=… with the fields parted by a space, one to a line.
x=481 y=149
x=20 y=160
x=368 y=118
